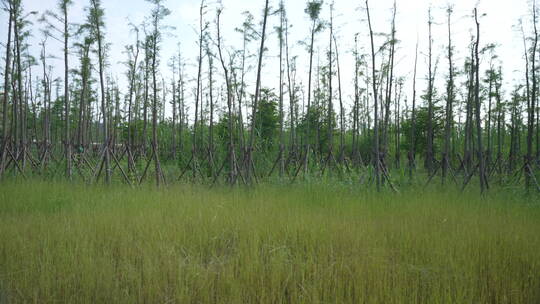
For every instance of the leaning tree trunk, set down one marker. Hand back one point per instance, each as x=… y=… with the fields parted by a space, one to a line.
x=341 y=109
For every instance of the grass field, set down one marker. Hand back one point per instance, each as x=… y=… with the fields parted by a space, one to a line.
x=273 y=244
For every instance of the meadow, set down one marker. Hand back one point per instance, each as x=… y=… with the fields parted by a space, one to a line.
x=304 y=243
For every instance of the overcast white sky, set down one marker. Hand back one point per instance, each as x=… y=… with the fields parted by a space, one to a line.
x=497 y=26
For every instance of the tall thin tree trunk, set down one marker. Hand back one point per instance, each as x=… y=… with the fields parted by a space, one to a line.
x=67 y=139
x=6 y=94
x=412 y=147
x=249 y=158
x=482 y=173
x=106 y=144
x=429 y=152
x=376 y=157
x=532 y=108
x=449 y=101
x=281 y=159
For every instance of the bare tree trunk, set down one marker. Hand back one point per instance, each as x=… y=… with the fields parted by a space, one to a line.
x=389 y=86
x=18 y=105
x=211 y=147
x=84 y=84
x=67 y=139
x=429 y=152
x=376 y=157
x=174 y=116
x=97 y=27
x=281 y=159
x=330 y=117
x=181 y=108
x=6 y=95
x=412 y=148
x=483 y=178
x=449 y=102
x=532 y=108
x=231 y=153
x=356 y=105
x=194 y=149
x=132 y=79
x=291 y=90
x=341 y=108
x=500 y=115
x=468 y=147
x=308 y=109
x=146 y=94
x=155 y=146
x=249 y=159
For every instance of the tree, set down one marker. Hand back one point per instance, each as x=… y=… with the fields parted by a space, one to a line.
x=430 y=137
x=532 y=104
x=8 y=5
x=249 y=157
x=63 y=30
x=132 y=63
x=412 y=148
x=158 y=13
x=95 y=19
x=376 y=157
x=280 y=31
x=449 y=100
x=481 y=167
x=313 y=10
x=231 y=150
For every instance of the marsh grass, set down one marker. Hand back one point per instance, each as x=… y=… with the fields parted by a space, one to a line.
x=313 y=243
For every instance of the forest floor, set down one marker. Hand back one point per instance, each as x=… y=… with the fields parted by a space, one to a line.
x=304 y=243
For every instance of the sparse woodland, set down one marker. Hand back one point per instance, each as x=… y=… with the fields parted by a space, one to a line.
x=85 y=126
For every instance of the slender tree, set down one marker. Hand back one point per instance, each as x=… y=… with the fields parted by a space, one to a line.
x=158 y=13
x=412 y=143
x=483 y=178
x=231 y=157
x=376 y=157
x=8 y=5
x=313 y=9
x=532 y=104
x=429 y=147
x=95 y=19
x=449 y=99
x=249 y=157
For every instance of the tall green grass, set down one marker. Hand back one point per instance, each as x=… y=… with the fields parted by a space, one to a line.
x=316 y=243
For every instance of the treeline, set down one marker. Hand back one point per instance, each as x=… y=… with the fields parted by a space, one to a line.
x=229 y=128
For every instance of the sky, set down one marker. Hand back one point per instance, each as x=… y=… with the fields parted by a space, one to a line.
x=498 y=25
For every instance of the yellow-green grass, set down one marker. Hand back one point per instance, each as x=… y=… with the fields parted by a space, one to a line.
x=68 y=243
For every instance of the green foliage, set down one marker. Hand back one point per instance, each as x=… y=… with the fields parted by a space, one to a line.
x=267 y=117
x=313 y=9
x=421 y=129
x=222 y=129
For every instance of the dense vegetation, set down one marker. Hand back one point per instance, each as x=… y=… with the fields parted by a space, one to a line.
x=311 y=243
